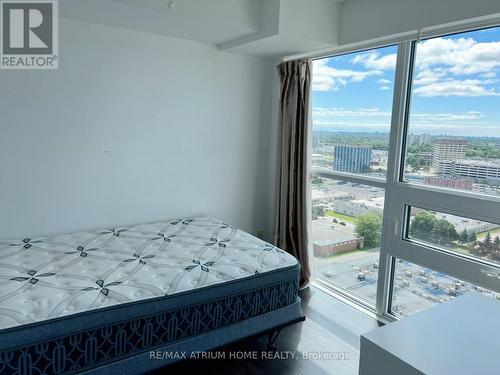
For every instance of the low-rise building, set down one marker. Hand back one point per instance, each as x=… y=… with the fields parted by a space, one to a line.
x=331 y=247
x=475 y=169
x=453 y=183
x=360 y=206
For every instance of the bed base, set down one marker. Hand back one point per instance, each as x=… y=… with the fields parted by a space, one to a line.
x=273 y=334
x=256 y=326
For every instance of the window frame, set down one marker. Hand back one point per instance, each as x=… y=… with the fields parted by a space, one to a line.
x=400 y=194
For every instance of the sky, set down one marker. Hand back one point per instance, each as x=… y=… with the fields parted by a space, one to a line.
x=456 y=87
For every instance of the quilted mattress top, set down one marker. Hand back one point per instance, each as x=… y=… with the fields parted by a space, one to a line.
x=48 y=277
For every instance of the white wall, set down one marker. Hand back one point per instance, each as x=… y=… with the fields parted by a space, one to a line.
x=315 y=20
x=362 y=20
x=134 y=127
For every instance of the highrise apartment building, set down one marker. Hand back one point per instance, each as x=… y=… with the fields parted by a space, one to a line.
x=354 y=159
x=445 y=150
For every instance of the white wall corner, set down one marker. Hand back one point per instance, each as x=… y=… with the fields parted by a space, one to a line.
x=270 y=25
x=290 y=26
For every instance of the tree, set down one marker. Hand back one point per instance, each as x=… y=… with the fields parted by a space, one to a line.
x=473 y=238
x=422 y=224
x=426 y=226
x=369 y=226
x=317 y=211
x=496 y=243
x=417 y=162
x=474 y=247
x=495 y=254
x=464 y=237
x=444 y=231
x=485 y=247
x=488 y=244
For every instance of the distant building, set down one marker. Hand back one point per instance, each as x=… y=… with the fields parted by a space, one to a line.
x=360 y=206
x=331 y=247
x=328 y=196
x=424 y=139
x=412 y=139
x=353 y=159
x=475 y=169
x=467 y=224
x=315 y=144
x=454 y=183
x=445 y=150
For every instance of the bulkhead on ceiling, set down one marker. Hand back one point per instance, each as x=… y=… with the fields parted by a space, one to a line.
x=257 y=27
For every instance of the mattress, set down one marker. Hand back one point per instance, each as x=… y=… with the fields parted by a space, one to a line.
x=45 y=279
x=92 y=301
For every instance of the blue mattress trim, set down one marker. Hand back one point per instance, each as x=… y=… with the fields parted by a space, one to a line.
x=64 y=345
x=144 y=362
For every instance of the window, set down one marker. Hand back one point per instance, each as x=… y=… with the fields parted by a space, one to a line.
x=408 y=136
x=352 y=100
x=346 y=233
x=453 y=135
x=417 y=288
x=458 y=234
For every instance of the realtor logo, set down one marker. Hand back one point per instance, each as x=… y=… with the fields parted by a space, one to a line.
x=29 y=35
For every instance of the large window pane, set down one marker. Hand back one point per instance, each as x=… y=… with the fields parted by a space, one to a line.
x=346 y=234
x=417 y=288
x=454 y=125
x=452 y=142
x=352 y=100
x=459 y=234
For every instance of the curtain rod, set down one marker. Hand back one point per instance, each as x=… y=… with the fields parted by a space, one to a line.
x=425 y=32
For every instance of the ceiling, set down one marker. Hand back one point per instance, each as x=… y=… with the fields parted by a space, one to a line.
x=209 y=21
x=258 y=27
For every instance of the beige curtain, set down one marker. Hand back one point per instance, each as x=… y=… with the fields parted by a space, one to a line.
x=291 y=197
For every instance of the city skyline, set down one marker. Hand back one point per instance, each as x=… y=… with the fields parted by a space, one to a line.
x=434 y=136
x=455 y=88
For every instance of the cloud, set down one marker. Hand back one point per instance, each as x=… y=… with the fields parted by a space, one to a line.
x=456 y=67
x=445 y=67
x=383 y=127
x=461 y=117
x=374 y=60
x=328 y=78
x=341 y=112
x=384 y=84
x=425 y=77
x=462 y=56
x=453 y=87
x=469 y=116
x=376 y=119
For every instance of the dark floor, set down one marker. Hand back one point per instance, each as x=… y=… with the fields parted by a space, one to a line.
x=332 y=328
